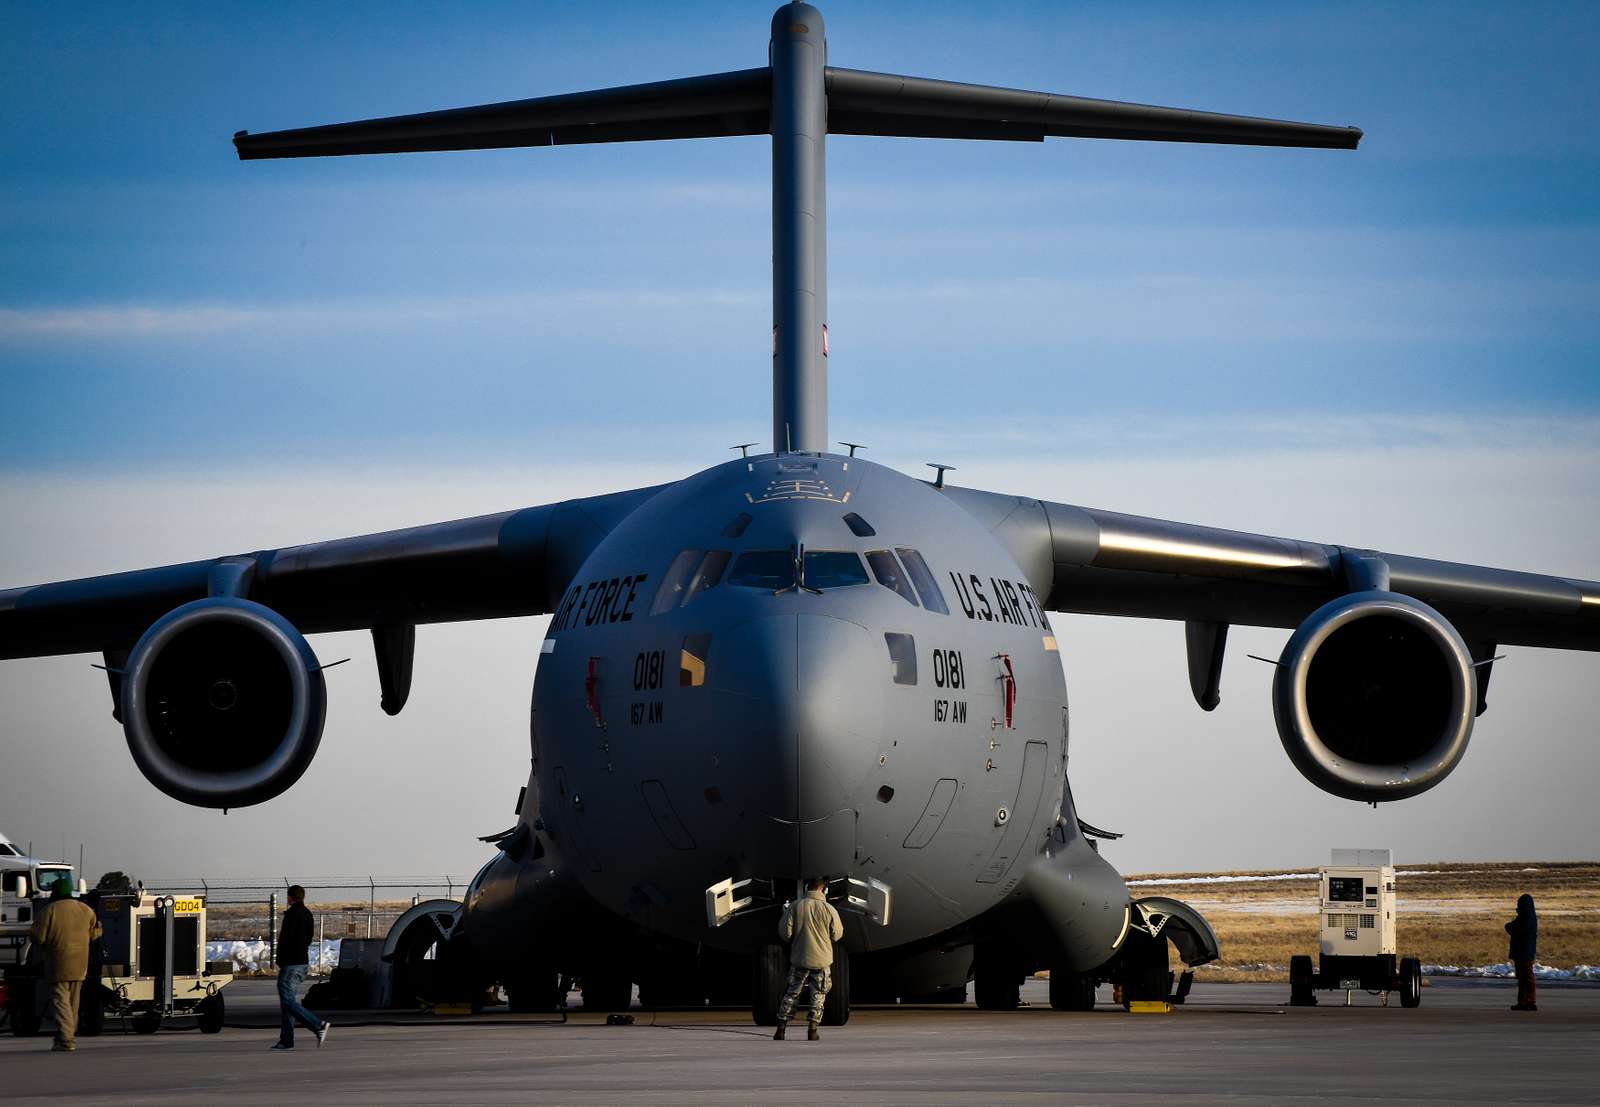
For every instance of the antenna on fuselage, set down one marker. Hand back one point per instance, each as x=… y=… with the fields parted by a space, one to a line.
x=854 y=446
x=798 y=99
x=743 y=448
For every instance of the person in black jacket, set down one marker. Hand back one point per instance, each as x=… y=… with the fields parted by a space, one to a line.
x=294 y=944
x=1524 y=931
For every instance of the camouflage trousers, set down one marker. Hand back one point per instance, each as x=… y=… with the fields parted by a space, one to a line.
x=820 y=981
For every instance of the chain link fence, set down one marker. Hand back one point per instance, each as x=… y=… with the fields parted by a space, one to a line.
x=247 y=910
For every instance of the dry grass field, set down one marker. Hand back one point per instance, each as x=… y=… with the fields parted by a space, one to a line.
x=1448 y=913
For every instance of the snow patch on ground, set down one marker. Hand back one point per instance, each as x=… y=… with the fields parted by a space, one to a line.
x=1506 y=969
x=254 y=956
x=1226 y=879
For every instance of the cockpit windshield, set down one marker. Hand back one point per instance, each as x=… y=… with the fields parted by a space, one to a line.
x=774 y=570
x=769 y=569
x=833 y=569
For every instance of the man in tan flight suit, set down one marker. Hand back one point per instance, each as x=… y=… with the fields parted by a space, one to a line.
x=63 y=931
x=810 y=925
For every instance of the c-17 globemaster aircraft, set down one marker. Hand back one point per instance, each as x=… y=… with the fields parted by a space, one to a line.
x=800 y=662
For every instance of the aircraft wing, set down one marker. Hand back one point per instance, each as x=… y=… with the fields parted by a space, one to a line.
x=488 y=567
x=1097 y=562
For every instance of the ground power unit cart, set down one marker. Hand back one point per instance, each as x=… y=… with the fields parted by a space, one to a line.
x=150 y=966
x=1356 y=919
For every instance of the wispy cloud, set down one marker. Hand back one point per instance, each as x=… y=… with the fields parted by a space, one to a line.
x=186 y=319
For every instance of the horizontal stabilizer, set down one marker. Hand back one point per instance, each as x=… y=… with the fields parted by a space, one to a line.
x=715 y=105
x=862 y=103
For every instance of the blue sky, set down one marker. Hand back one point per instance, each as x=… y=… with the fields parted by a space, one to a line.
x=1395 y=347
x=164 y=304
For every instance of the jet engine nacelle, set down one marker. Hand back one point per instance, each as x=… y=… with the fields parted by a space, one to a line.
x=1374 y=697
x=223 y=703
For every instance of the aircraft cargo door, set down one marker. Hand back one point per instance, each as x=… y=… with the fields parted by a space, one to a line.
x=1020 y=815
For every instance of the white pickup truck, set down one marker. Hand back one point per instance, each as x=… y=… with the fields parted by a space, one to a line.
x=22 y=880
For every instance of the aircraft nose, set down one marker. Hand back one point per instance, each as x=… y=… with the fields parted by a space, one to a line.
x=837 y=715
x=812 y=707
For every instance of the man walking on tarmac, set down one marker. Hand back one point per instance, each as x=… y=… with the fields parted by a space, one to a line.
x=64 y=930
x=294 y=945
x=810 y=925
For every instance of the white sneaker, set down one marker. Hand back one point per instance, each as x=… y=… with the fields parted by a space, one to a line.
x=322 y=1035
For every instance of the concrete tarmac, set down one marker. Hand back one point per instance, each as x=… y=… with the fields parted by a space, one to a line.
x=1230 y=1042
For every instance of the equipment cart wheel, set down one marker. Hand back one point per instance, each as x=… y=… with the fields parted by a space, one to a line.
x=211 y=1011
x=146 y=1022
x=1302 y=981
x=27 y=1014
x=1071 y=991
x=92 y=1010
x=1410 y=982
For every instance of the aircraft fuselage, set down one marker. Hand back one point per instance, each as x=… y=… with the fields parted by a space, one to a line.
x=799 y=665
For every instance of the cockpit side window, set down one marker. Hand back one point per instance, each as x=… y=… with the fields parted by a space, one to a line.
x=769 y=569
x=927 y=586
x=691 y=572
x=890 y=575
x=902 y=657
x=676 y=582
x=708 y=573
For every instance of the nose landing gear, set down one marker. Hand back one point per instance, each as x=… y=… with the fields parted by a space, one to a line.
x=772 y=978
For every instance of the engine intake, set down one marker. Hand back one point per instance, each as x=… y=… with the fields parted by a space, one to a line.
x=223 y=703
x=1374 y=697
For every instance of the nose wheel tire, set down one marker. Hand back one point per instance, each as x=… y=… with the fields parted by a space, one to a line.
x=836 y=1007
x=771 y=976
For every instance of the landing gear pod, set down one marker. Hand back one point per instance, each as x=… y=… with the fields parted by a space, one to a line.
x=223 y=703
x=1374 y=697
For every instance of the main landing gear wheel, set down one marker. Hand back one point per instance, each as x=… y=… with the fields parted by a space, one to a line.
x=535 y=991
x=996 y=982
x=1301 y=981
x=1144 y=969
x=1410 y=982
x=607 y=992
x=1071 y=991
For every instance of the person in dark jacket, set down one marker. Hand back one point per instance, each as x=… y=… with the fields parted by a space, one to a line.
x=294 y=944
x=1524 y=931
x=66 y=931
